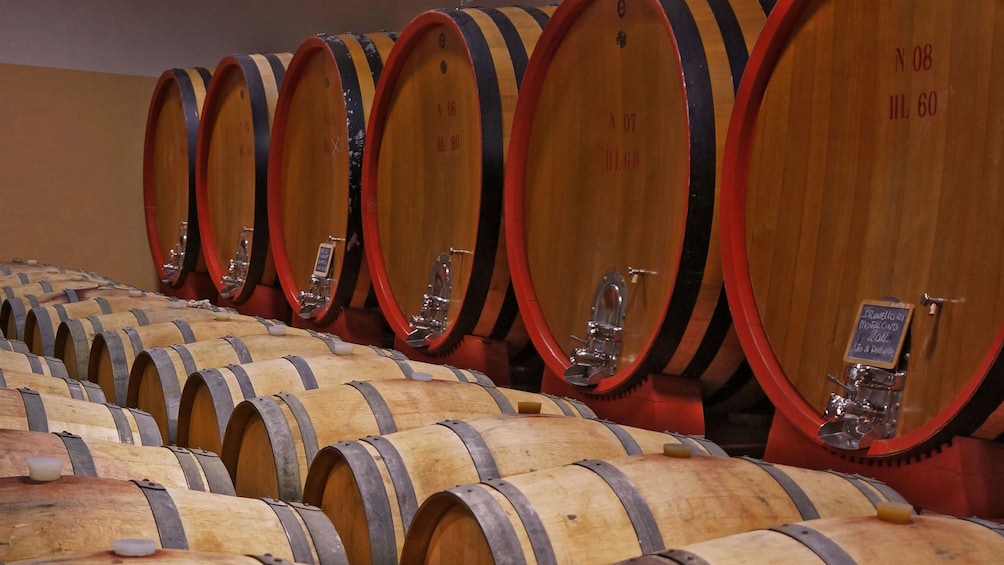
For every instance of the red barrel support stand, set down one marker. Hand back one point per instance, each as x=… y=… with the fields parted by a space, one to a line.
x=265 y=301
x=489 y=356
x=958 y=479
x=659 y=402
x=197 y=286
x=354 y=325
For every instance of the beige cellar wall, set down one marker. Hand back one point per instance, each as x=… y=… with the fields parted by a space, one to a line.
x=71 y=165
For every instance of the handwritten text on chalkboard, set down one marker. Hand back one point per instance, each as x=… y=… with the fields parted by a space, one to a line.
x=879 y=333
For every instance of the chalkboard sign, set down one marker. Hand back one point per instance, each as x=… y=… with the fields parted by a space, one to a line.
x=322 y=265
x=878 y=335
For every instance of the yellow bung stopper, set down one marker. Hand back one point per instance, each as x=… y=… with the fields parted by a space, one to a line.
x=894 y=512
x=135 y=293
x=676 y=450
x=221 y=315
x=528 y=407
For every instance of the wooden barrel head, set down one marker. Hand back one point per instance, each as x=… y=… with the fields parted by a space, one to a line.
x=315 y=171
x=614 y=166
x=434 y=166
x=172 y=131
x=232 y=165
x=863 y=163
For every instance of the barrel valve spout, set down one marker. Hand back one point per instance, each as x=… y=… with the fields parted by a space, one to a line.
x=238 y=270
x=318 y=294
x=600 y=351
x=176 y=257
x=867 y=410
x=430 y=322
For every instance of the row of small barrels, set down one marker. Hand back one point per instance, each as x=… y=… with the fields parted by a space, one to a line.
x=308 y=490
x=635 y=158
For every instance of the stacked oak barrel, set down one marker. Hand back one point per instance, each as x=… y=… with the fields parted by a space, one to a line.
x=480 y=187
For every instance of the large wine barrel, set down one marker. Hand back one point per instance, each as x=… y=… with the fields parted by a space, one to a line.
x=42 y=318
x=433 y=175
x=172 y=133
x=168 y=465
x=612 y=193
x=232 y=171
x=209 y=396
x=863 y=163
x=49 y=384
x=315 y=171
x=113 y=352
x=858 y=539
x=27 y=409
x=270 y=441
x=355 y=482
x=61 y=517
x=159 y=374
x=31 y=363
x=75 y=336
x=599 y=511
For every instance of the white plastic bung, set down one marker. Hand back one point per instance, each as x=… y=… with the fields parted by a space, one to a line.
x=135 y=547
x=343 y=348
x=44 y=468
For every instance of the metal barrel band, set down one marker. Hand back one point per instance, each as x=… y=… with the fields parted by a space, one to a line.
x=165 y=514
x=630 y=445
x=824 y=547
x=303 y=369
x=376 y=501
x=298 y=542
x=638 y=511
x=307 y=434
x=801 y=500
x=480 y=453
x=189 y=467
x=34 y=410
x=80 y=455
x=327 y=543
x=378 y=406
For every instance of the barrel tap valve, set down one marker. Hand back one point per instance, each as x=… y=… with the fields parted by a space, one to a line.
x=238 y=270
x=600 y=351
x=176 y=258
x=430 y=322
x=318 y=294
x=867 y=409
